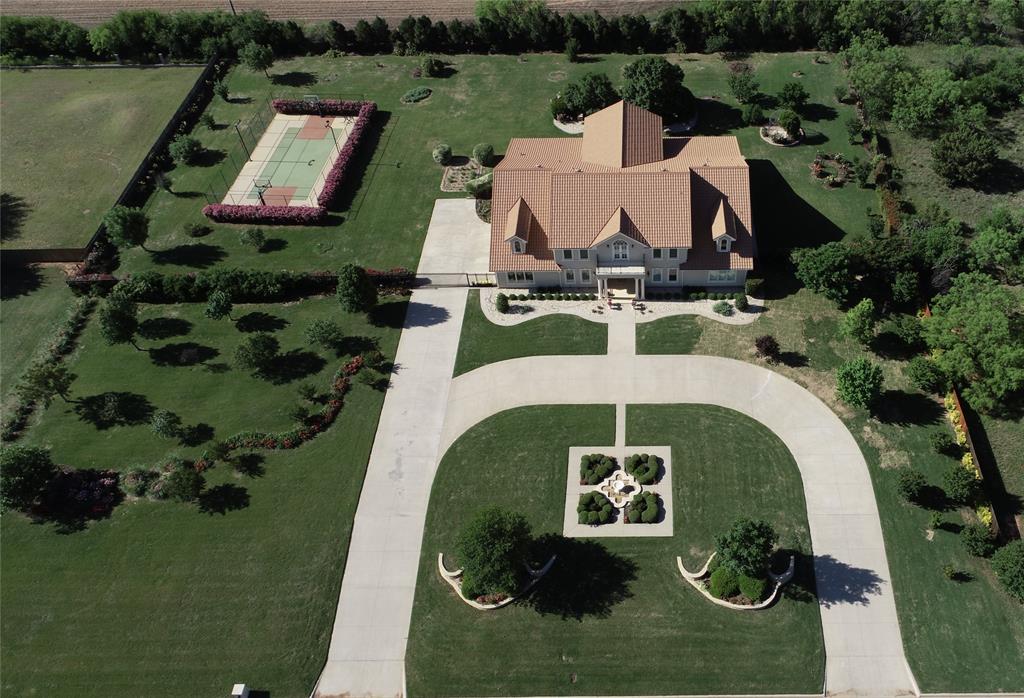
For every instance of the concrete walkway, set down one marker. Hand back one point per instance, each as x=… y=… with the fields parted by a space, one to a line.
x=371 y=627
x=457 y=242
x=863 y=645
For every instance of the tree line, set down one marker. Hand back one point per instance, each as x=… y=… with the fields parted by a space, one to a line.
x=514 y=26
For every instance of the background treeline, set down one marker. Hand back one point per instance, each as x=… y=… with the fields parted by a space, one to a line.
x=514 y=26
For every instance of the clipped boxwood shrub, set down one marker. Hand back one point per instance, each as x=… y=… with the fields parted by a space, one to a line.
x=501 y=303
x=594 y=509
x=723 y=308
x=752 y=587
x=416 y=94
x=644 y=508
x=481 y=186
x=754 y=287
x=644 y=467
x=442 y=154
x=723 y=583
x=483 y=154
x=595 y=467
x=740 y=301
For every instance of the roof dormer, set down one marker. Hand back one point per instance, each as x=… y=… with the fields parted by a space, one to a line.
x=723 y=227
x=517 y=226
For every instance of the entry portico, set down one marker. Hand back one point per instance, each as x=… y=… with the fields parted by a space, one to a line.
x=620 y=279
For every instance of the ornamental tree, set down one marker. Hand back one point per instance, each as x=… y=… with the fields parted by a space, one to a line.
x=1008 y=564
x=964 y=155
x=590 y=93
x=657 y=85
x=185 y=149
x=127 y=227
x=790 y=123
x=24 y=473
x=767 y=348
x=218 y=306
x=166 y=424
x=747 y=546
x=44 y=380
x=978 y=330
x=859 y=382
x=744 y=87
x=184 y=483
x=257 y=57
x=959 y=483
x=483 y=154
x=356 y=291
x=326 y=333
x=859 y=322
x=257 y=352
x=119 y=320
x=492 y=550
x=793 y=96
x=910 y=485
x=254 y=238
x=825 y=270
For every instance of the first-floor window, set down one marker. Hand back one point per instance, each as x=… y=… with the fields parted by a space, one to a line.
x=585 y=276
x=722 y=276
x=570 y=276
x=656 y=276
x=519 y=276
x=673 y=275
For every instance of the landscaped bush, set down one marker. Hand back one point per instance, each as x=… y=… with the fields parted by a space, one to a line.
x=1008 y=564
x=926 y=375
x=184 y=483
x=595 y=467
x=740 y=301
x=910 y=485
x=767 y=347
x=483 y=154
x=747 y=546
x=753 y=114
x=492 y=550
x=752 y=587
x=197 y=230
x=254 y=238
x=431 y=67
x=185 y=149
x=959 y=483
x=267 y=215
x=859 y=382
x=645 y=507
x=138 y=480
x=501 y=303
x=943 y=443
x=644 y=467
x=594 y=509
x=416 y=94
x=724 y=583
x=442 y=154
x=481 y=186
x=723 y=308
x=978 y=540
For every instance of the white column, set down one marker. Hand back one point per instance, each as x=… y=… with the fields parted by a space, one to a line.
x=643 y=289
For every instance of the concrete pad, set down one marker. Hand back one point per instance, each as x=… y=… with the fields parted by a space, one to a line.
x=457 y=241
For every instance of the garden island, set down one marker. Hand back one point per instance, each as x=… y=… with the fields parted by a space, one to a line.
x=512 y=349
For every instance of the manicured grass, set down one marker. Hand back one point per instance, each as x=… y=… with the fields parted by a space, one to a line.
x=247 y=593
x=72 y=139
x=382 y=219
x=35 y=302
x=981 y=628
x=678 y=334
x=482 y=342
x=610 y=601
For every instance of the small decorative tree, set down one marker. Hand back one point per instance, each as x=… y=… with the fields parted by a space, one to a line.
x=926 y=375
x=442 y=154
x=964 y=155
x=790 y=123
x=185 y=149
x=959 y=483
x=44 y=380
x=859 y=321
x=25 y=472
x=793 y=96
x=119 y=320
x=492 y=550
x=572 y=49
x=257 y=353
x=166 y=424
x=356 y=291
x=1008 y=564
x=220 y=88
x=767 y=348
x=431 y=66
x=744 y=87
x=825 y=269
x=127 y=227
x=747 y=547
x=855 y=130
x=184 y=483
x=859 y=382
x=207 y=121
x=326 y=333
x=257 y=57
x=977 y=540
x=254 y=238
x=501 y=303
x=910 y=485
x=218 y=306
x=655 y=84
x=483 y=154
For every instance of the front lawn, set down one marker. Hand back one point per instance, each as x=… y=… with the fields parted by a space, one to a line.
x=71 y=140
x=242 y=586
x=980 y=626
x=677 y=334
x=612 y=603
x=482 y=342
x=383 y=215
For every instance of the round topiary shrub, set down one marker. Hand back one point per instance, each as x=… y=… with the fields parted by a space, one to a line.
x=643 y=467
x=723 y=308
x=416 y=94
x=442 y=154
x=740 y=301
x=501 y=303
x=483 y=154
x=723 y=583
x=752 y=587
x=910 y=485
x=977 y=540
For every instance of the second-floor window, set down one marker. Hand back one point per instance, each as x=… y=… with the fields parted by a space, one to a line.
x=620 y=250
x=566 y=254
x=584 y=254
x=657 y=253
x=673 y=253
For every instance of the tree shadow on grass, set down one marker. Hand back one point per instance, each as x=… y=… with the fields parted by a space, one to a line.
x=258 y=321
x=209 y=157
x=274 y=245
x=293 y=365
x=1007 y=177
x=250 y=465
x=223 y=498
x=13 y=212
x=76 y=496
x=889 y=346
x=793 y=359
x=164 y=328
x=196 y=434
x=586 y=580
x=815 y=111
x=357 y=344
x=182 y=354
x=902 y=408
x=840 y=583
x=109 y=409
x=717 y=118
x=295 y=78
x=196 y=255
x=18 y=281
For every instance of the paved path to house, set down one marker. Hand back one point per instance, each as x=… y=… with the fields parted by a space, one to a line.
x=457 y=241
x=863 y=646
x=367 y=651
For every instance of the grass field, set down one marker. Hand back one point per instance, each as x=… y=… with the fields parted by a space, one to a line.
x=489 y=99
x=981 y=628
x=609 y=601
x=247 y=589
x=482 y=342
x=678 y=334
x=71 y=140
x=34 y=302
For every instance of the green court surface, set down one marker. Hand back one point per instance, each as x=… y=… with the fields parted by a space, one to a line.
x=295 y=162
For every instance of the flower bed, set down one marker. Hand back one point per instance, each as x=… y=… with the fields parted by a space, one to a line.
x=594 y=509
x=596 y=467
x=644 y=467
x=969 y=460
x=834 y=169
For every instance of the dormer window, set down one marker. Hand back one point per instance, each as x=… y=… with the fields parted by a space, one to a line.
x=724 y=244
x=517 y=246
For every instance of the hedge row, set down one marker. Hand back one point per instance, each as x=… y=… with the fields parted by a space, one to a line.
x=266 y=215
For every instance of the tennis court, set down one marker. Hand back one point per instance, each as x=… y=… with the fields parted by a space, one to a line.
x=289 y=164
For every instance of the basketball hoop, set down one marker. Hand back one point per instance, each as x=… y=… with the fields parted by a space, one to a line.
x=261 y=185
x=312 y=101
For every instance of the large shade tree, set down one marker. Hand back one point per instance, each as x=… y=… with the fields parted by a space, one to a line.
x=127 y=227
x=657 y=85
x=492 y=551
x=119 y=320
x=24 y=473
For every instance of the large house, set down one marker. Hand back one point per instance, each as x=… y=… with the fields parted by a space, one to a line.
x=622 y=209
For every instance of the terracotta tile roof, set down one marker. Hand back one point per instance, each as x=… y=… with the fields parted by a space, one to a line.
x=622 y=135
x=517 y=222
x=672 y=202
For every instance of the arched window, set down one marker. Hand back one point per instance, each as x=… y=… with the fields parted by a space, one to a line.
x=620 y=250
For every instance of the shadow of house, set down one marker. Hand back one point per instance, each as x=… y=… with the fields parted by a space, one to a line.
x=295 y=78
x=13 y=212
x=717 y=119
x=840 y=583
x=197 y=255
x=109 y=409
x=586 y=581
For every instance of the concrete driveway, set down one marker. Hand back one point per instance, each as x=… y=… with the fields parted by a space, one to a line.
x=457 y=242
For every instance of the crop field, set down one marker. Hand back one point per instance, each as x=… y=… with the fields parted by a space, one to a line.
x=348 y=12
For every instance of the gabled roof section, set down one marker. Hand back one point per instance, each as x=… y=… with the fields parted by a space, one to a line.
x=618 y=223
x=517 y=224
x=722 y=224
x=622 y=135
